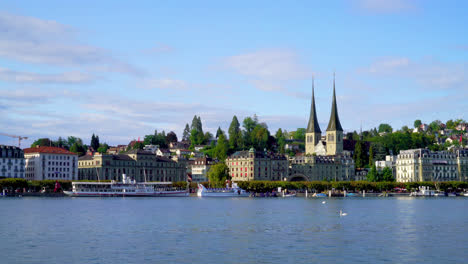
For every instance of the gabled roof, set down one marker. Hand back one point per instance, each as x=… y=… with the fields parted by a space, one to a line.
x=48 y=150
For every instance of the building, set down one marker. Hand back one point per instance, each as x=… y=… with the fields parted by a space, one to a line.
x=163 y=153
x=137 y=164
x=50 y=163
x=11 y=162
x=256 y=165
x=325 y=158
x=462 y=163
x=390 y=162
x=338 y=167
x=151 y=148
x=415 y=165
x=200 y=168
x=334 y=135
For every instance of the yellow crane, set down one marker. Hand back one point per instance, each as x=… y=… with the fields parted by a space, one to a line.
x=14 y=136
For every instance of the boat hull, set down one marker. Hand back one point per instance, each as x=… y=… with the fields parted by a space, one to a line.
x=220 y=194
x=128 y=194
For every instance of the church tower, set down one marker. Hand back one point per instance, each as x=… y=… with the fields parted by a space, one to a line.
x=313 y=132
x=334 y=129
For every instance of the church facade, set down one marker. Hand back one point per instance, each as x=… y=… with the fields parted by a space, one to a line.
x=323 y=159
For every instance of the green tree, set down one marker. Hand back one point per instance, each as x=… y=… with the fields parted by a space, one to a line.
x=360 y=155
x=259 y=137
x=78 y=149
x=103 y=148
x=280 y=140
x=371 y=155
x=385 y=128
x=138 y=145
x=219 y=132
x=404 y=128
x=186 y=133
x=42 y=142
x=222 y=148
x=387 y=174
x=417 y=123
x=171 y=137
x=235 y=134
x=373 y=175
x=434 y=126
x=450 y=124
x=207 y=137
x=218 y=174
x=94 y=142
x=299 y=134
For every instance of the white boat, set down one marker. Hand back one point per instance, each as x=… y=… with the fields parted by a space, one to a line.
x=234 y=191
x=465 y=194
x=127 y=188
x=289 y=194
x=439 y=193
x=423 y=191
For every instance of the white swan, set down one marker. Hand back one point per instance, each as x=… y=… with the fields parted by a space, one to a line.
x=323 y=202
x=343 y=214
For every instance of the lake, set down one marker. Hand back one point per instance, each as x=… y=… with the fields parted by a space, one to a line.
x=233 y=230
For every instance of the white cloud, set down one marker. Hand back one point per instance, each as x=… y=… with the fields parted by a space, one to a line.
x=386 y=6
x=163 y=84
x=33 y=40
x=268 y=64
x=73 y=77
x=429 y=73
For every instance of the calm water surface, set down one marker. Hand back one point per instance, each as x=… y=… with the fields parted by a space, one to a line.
x=213 y=230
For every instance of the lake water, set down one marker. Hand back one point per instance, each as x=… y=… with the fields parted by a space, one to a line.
x=237 y=230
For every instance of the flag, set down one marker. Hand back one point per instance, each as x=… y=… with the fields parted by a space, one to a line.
x=189 y=177
x=57 y=186
x=461 y=138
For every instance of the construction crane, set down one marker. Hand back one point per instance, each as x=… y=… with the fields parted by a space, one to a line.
x=14 y=136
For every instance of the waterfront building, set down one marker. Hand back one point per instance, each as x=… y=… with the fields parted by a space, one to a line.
x=50 y=163
x=11 y=162
x=415 y=165
x=462 y=163
x=140 y=165
x=257 y=165
x=390 y=162
x=200 y=168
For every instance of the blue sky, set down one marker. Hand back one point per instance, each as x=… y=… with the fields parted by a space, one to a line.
x=123 y=69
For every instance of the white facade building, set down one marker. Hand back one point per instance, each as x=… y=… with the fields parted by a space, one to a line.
x=200 y=169
x=50 y=163
x=417 y=165
x=11 y=162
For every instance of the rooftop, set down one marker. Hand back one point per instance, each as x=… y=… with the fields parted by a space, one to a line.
x=48 y=150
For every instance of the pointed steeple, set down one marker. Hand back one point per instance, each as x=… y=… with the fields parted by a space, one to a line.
x=313 y=125
x=334 y=123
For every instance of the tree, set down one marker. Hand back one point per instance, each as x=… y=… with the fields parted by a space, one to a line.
x=222 y=148
x=72 y=140
x=385 y=128
x=387 y=174
x=373 y=174
x=186 y=134
x=207 y=137
x=450 y=124
x=434 y=126
x=171 y=137
x=78 y=149
x=360 y=155
x=218 y=174
x=299 y=134
x=138 y=145
x=417 y=123
x=280 y=140
x=371 y=156
x=42 y=142
x=404 y=128
x=103 y=148
x=235 y=134
x=94 y=142
x=219 y=132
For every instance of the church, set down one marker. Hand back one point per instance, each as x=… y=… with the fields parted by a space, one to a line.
x=324 y=158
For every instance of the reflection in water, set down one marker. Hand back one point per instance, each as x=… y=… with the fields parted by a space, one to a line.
x=269 y=230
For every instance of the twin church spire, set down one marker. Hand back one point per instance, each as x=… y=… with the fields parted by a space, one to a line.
x=334 y=132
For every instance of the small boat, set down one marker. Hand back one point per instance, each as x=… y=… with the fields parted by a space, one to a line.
x=451 y=194
x=234 y=191
x=350 y=195
x=423 y=191
x=289 y=194
x=465 y=194
x=319 y=195
x=439 y=193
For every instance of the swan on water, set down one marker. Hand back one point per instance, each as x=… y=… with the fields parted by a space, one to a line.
x=324 y=202
x=343 y=214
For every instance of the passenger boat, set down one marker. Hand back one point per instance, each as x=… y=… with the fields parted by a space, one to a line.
x=234 y=191
x=127 y=188
x=423 y=191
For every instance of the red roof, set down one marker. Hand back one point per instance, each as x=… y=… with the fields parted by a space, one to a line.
x=48 y=150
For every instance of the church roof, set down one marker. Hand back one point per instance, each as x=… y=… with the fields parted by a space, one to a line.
x=313 y=125
x=334 y=123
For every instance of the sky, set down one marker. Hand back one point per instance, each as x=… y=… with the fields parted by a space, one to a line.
x=122 y=69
